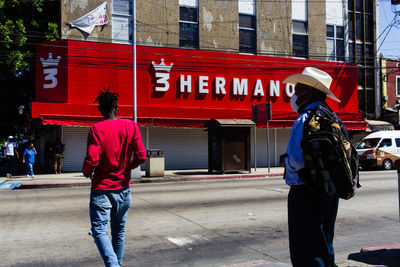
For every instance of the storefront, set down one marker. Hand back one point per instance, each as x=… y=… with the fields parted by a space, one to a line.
x=177 y=91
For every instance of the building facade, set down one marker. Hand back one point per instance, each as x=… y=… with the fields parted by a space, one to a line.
x=198 y=60
x=390 y=90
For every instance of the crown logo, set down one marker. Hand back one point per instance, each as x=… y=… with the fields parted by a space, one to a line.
x=50 y=61
x=162 y=66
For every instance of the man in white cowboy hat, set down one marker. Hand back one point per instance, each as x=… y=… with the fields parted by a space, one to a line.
x=311 y=218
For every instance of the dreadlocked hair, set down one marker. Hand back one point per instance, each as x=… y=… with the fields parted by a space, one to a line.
x=107 y=100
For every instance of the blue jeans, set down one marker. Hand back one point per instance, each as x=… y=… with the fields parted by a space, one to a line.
x=29 y=169
x=106 y=205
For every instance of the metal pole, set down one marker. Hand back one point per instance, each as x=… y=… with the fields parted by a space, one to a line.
x=134 y=115
x=255 y=148
x=135 y=173
x=147 y=137
x=269 y=163
x=398 y=188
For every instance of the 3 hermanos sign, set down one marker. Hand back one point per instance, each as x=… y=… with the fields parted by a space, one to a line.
x=240 y=86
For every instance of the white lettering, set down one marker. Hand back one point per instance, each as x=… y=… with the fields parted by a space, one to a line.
x=220 y=85
x=258 y=89
x=203 y=83
x=50 y=72
x=50 y=76
x=186 y=83
x=239 y=87
x=273 y=88
x=163 y=79
x=289 y=89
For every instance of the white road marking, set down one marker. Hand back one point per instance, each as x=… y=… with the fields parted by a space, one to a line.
x=180 y=241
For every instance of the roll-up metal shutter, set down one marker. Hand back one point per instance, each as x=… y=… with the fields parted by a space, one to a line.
x=278 y=139
x=183 y=148
x=74 y=139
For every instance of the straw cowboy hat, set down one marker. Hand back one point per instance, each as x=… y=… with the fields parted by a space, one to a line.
x=315 y=78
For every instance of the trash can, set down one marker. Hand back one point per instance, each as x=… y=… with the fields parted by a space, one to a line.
x=155 y=163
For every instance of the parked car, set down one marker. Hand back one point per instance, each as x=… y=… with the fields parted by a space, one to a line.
x=380 y=149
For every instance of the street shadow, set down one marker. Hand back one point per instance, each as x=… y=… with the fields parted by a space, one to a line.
x=381 y=257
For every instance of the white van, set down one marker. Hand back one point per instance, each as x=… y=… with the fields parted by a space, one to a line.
x=379 y=149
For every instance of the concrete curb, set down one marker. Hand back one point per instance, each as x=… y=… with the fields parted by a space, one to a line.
x=155 y=180
x=207 y=177
x=386 y=246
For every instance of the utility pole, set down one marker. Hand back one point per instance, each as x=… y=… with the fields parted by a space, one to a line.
x=134 y=100
x=135 y=173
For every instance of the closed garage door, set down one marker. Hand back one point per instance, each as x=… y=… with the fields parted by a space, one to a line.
x=74 y=139
x=183 y=148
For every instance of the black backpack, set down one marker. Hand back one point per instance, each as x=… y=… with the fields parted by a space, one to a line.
x=331 y=161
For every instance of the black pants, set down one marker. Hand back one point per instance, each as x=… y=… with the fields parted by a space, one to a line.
x=311 y=228
x=10 y=164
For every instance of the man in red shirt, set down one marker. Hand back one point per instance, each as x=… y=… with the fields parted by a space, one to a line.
x=108 y=163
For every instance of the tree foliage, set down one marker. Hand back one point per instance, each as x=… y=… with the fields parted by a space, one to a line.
x=23 y=23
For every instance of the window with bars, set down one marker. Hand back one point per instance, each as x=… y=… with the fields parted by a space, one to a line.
x=247 y=34
x=335 y=42
x=361 y=50
x=188 y=27
x=300 y=38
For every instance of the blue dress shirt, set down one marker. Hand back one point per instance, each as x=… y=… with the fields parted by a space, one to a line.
x=295 y=158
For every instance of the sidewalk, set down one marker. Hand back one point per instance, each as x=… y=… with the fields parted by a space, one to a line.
x=77 y=179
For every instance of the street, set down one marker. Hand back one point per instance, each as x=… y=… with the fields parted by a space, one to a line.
x=203 y=223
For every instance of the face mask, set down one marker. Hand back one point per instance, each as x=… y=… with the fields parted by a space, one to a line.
x=293 y=104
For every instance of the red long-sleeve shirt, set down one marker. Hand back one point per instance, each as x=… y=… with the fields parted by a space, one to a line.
x=110 y=146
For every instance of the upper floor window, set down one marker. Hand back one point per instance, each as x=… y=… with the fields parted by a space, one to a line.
x=335 y=42
x=398 y=86
x=247 y=34
x=300 y=38
x=247 y=26
x=122 y=26
x=188 y=27
x=361 y=20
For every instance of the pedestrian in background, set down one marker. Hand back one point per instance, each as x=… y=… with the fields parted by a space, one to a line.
x=29 y=159
x=311 y=217
x=10 y=151
x=110 y=146
x=58 y=148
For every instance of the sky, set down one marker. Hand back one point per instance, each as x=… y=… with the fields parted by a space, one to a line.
x=390 y=46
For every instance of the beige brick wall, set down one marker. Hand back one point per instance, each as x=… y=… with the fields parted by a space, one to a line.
x=74 y=9
x=157 y=23
x=317 y=29
x=274 y=28
x=219 y=25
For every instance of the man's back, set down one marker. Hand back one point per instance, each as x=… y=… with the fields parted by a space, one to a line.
x=110 y=147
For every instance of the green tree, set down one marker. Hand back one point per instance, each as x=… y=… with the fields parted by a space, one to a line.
x=23 y=23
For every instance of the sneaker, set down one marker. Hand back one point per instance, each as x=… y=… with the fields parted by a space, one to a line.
x=33 y=176
x=28 y=175
x=8 y=175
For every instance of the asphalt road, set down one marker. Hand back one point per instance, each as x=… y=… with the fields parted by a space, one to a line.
x=210 y=223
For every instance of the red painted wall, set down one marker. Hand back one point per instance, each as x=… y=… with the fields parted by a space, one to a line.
x=86 y=67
